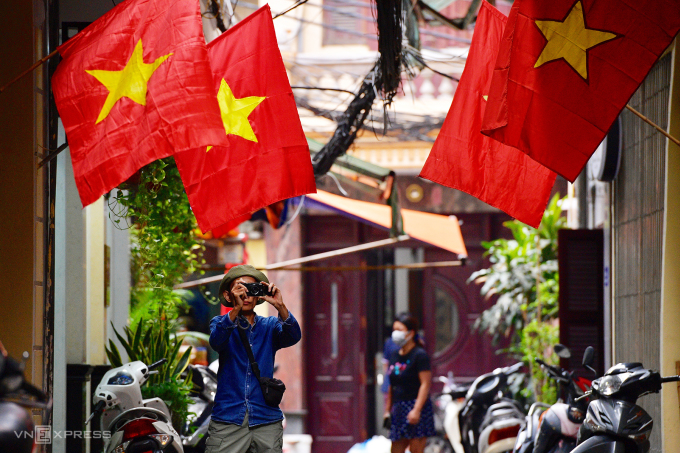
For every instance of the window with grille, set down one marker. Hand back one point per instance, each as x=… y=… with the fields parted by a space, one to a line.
x=343 y=21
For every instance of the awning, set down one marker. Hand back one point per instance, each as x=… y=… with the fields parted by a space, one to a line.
x=438 y=230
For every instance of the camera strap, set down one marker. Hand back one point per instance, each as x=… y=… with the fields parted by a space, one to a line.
x=272 y=389
x=249 y=351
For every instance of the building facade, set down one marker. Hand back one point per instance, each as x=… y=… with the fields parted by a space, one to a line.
x=638 y=212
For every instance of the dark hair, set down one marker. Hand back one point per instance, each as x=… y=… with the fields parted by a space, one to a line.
x=411 y=323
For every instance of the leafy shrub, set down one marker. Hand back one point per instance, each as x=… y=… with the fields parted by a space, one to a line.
x=164 y=248
x=524 y=277
x=150 y=342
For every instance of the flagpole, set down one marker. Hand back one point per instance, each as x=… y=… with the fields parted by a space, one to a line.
x=35 y=65
x=658 y=128
x=300 y=2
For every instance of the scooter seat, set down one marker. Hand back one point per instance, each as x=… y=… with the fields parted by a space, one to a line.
x=134 y=414
x=503 y=410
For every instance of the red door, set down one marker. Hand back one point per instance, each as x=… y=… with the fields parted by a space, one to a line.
x=450 y=306
x=335 y=341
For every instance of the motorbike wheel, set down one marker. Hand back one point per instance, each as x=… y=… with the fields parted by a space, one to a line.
x=438 y=444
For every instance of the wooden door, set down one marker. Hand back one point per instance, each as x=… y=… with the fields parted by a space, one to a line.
x=335 y=341
x=581 y=296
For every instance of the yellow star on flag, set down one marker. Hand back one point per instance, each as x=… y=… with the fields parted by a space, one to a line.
x=130 y=82
x=235 y=112
x=570 y=40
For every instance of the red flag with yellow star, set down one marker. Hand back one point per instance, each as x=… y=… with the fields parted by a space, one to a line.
x=267 y=157
x=566 y=69
x=133 y=87
x=464 y=159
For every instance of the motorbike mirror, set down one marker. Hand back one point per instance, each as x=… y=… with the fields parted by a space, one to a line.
x=589 y=358
x=562 y=351
x=157 y=364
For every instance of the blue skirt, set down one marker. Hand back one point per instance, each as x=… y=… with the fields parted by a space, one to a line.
x=402 y=429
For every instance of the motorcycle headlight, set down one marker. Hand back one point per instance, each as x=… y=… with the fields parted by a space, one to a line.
x=610 y=385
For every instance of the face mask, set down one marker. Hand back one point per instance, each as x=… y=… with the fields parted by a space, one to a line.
x=399 y=337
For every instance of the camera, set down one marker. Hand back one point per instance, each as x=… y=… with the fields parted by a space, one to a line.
x=257 y=289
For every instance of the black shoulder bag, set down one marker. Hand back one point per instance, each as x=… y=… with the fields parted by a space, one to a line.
x=272 y=388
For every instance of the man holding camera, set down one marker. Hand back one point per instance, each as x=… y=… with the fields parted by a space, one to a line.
x=246 y=416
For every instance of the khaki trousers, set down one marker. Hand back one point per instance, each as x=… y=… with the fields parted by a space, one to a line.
x=228 y=438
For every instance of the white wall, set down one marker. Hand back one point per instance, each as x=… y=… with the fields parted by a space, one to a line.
x=69 y=288
x=402 y=256
x=118 y=242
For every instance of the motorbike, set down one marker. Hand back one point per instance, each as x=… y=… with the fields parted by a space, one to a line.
x=614 y=423
x=526 y=436
x=447 y=405
x=485 y=395
x=553 y=428
x=135 y=424
x=17 y=430
x=194 y=433
x=500 y=427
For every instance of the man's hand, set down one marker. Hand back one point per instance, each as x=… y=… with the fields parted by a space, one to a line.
x=238 y=294
x=276 y=300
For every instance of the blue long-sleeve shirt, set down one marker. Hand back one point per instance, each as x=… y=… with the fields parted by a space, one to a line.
x=238 y=390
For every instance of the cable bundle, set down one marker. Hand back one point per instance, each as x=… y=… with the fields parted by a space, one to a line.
x=390 y=32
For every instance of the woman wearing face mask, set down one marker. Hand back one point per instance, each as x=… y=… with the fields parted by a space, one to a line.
x=407 y=403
